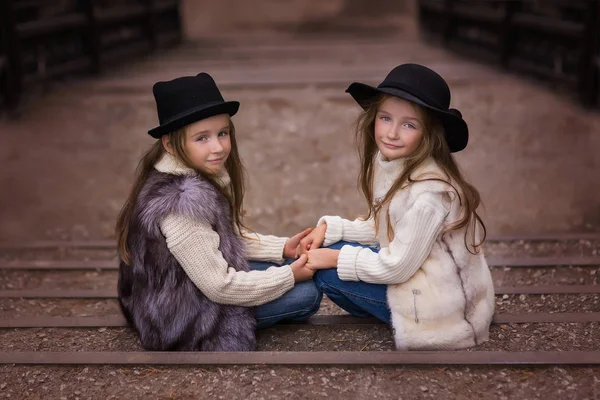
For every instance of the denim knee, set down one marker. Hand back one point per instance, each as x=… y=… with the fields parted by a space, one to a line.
x=311 y=298
x=325 y=277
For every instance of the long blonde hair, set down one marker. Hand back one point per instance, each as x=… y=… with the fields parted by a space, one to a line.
x=235 y=195
x=432 y=145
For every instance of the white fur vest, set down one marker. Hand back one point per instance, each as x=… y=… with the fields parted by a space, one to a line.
x=449 y=302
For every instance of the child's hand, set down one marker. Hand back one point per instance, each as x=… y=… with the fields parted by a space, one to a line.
x=289 y=250
x=322 y=259
x=300 y=271
x=314 y=240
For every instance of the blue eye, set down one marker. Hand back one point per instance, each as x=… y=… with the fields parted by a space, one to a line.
x=223 y=133
x=385 y=118
x=411 y=126
x=201 y=138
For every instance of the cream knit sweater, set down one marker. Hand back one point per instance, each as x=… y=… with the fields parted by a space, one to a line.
x=195 y=245
x=413 y=239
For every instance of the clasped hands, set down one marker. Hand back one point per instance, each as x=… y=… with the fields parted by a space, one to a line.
x=305 y=248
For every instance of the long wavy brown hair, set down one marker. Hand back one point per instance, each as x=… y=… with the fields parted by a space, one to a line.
x=235 y=195
x=433 y=145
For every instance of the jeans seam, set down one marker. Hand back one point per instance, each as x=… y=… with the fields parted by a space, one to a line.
x=354 y=295
x=282 y=315
x=303 y=310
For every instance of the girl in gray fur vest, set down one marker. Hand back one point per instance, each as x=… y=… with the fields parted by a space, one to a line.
x=185 y=282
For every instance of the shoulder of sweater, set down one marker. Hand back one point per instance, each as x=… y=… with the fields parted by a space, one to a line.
x=189 y=196
x=429 y=177
x=437 y=201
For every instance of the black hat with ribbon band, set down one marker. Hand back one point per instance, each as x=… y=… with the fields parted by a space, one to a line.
x=188 y=99
x=423 y=86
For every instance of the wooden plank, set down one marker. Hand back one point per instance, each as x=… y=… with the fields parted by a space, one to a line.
x=480 y=15
x=161 y=6
x=50 y=244
x=73 y=65
x=112 y=293
x=545 y=237
x=527 y=262
x=117 y=14
x=118 y=321
x=531 y=318
x=111 y=244
x=12 y=46
x=305 y=358
x=588 y=75
x=548 y=25
x=558 y=289
x=59 y=264
x=541 y=71
x=49 y=26
x=92 y=37
x=493 y=261
x=432 y=5
x=125 y=52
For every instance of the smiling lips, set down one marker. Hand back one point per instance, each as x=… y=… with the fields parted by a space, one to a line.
x=391 y=146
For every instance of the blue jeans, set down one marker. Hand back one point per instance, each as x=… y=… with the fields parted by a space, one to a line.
x=360 y=299
x=297 y=304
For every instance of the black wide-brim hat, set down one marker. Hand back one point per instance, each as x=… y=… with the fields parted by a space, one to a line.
x=423 y=86
x=188 y=99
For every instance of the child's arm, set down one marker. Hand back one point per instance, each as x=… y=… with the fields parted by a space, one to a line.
x=271 y=248
x=267 y=248
x=332 y=229
x=414 y=236
x=195 y=245
x=358 y=231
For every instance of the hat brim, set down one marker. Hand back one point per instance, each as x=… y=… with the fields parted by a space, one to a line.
x=194 y=115
x=456 y=129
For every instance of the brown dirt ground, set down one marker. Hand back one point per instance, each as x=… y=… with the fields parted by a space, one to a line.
x=274 y=382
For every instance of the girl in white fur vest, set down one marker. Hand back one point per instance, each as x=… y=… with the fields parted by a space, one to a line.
x=420 y=267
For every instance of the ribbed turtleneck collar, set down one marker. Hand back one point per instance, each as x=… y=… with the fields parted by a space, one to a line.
x=170 y=164
x=392 y=169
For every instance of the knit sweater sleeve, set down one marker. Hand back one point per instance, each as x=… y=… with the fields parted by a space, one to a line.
x=196 y=246
x=264 y=247
x=414 y=236
x=338 y=228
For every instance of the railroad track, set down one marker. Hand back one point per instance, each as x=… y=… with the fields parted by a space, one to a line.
x=22 y=323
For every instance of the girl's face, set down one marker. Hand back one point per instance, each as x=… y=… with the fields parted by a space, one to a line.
x=398 y=128
x=207 y=143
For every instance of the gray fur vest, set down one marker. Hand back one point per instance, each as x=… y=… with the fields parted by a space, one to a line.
x=157 y=297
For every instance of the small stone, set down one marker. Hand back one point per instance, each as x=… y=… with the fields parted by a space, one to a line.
x=505 y=297
x=102 y=330
x=424 y=388
x=3 y=386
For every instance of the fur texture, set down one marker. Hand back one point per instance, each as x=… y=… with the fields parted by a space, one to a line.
x=449 y=302
x=157 y=297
